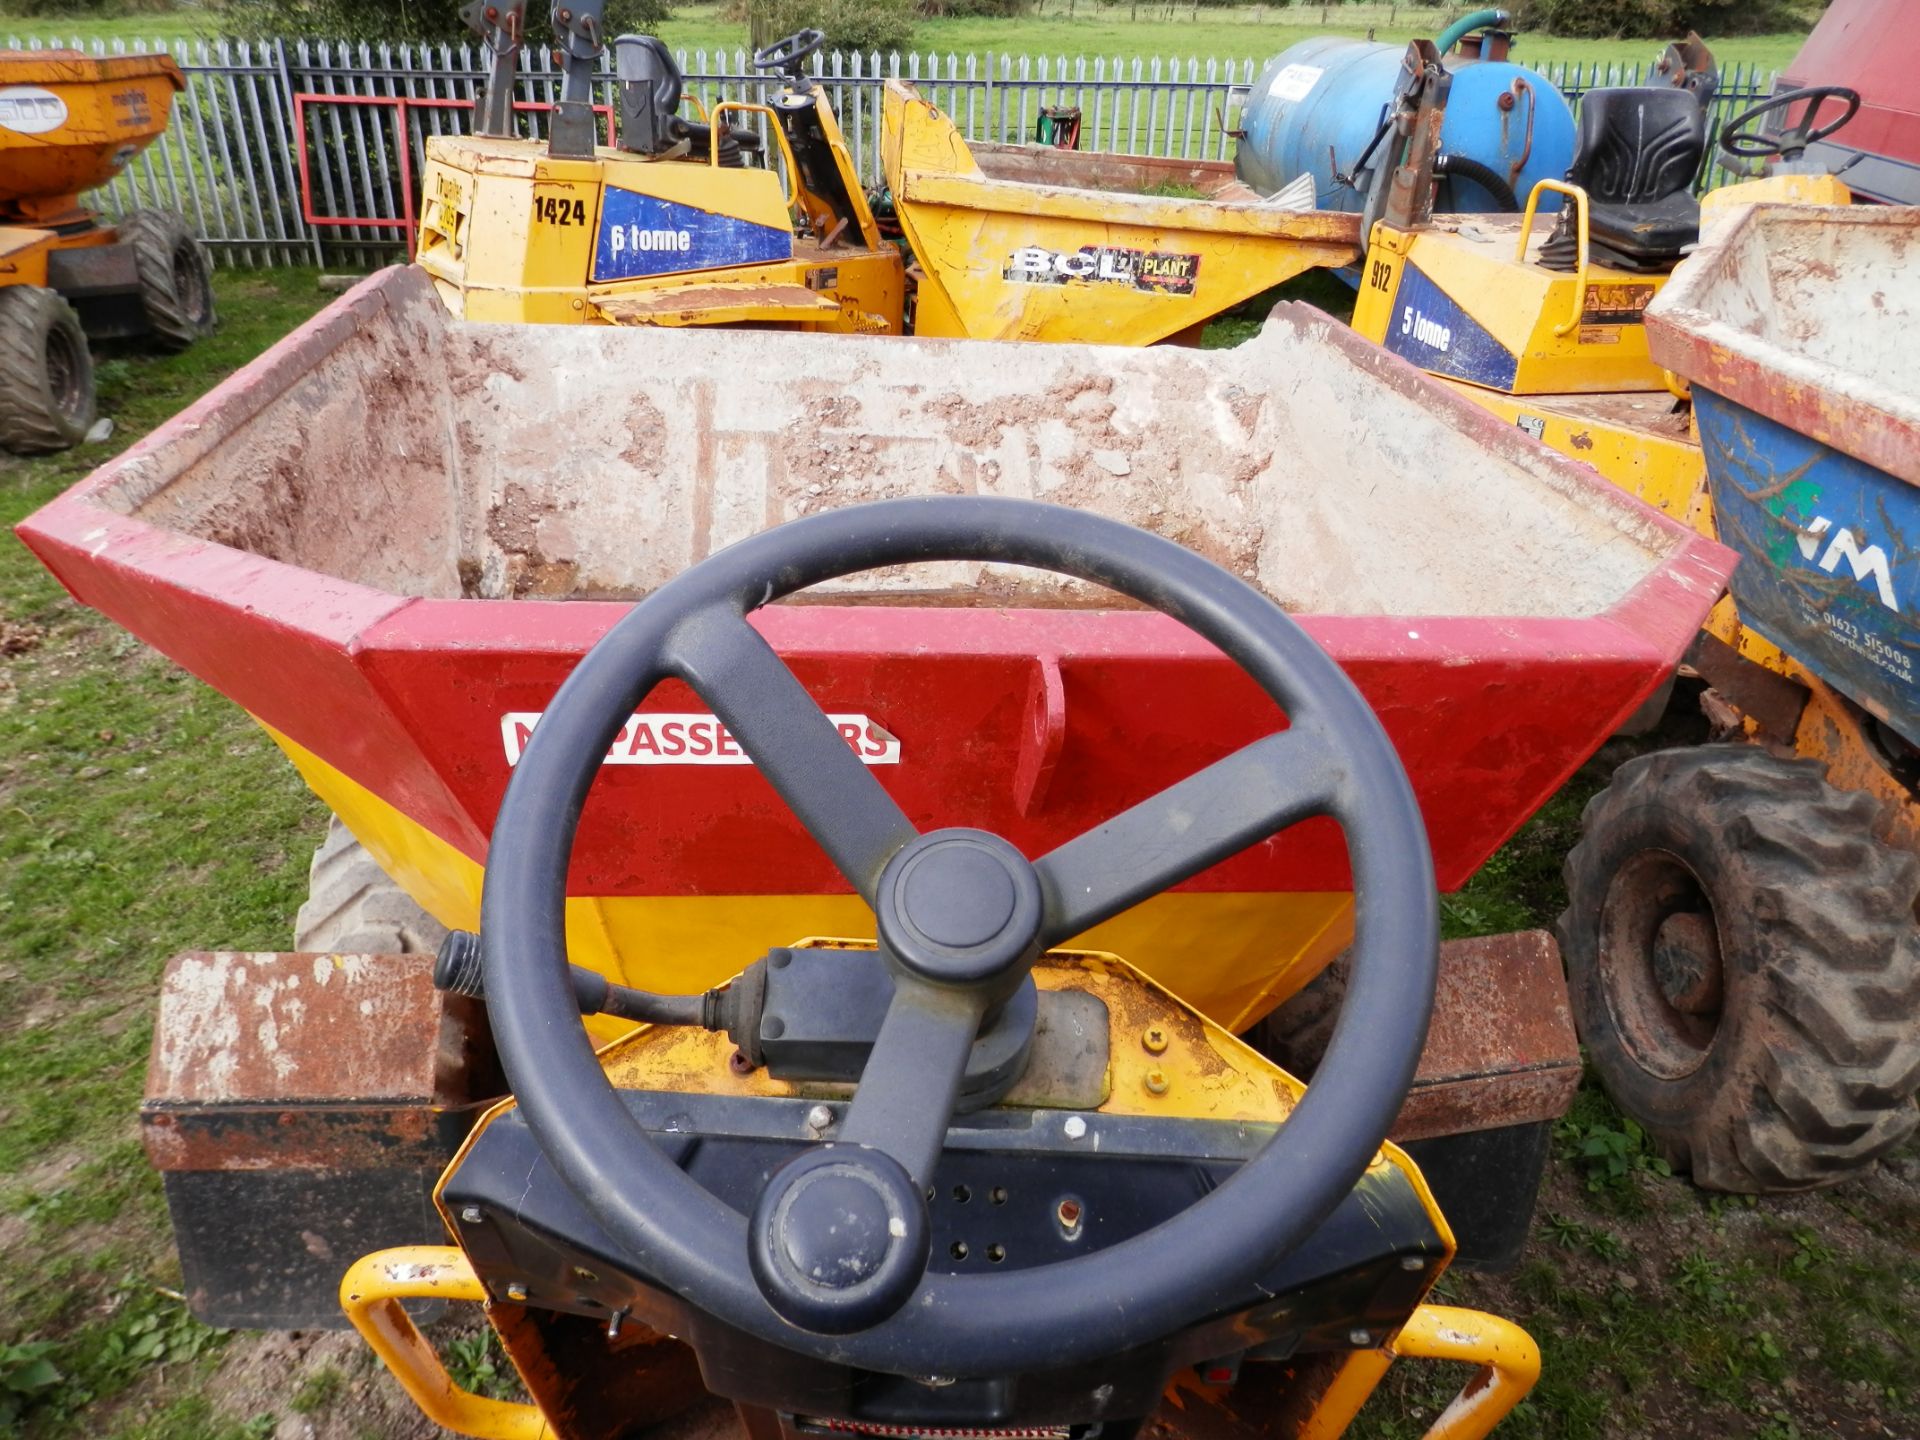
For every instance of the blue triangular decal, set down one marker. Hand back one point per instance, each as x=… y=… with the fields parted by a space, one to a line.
x=1429 y=329
x=644 y=235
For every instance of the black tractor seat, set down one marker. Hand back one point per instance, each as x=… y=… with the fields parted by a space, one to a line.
x=650 y=86
x=1636 y=156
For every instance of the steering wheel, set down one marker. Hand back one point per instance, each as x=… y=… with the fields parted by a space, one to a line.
x=788 y=54
x=832 y=1262
x=1789 y=143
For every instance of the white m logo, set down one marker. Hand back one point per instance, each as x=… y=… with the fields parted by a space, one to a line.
x=1869 y=563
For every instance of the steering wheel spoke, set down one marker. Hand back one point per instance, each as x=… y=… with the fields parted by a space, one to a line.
x=912 y=1078
x=839 y=1238
x=730 y=665
x=1252 y=794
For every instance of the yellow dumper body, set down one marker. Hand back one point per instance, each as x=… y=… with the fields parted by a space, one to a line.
x=70 y=123
x=1018 y=243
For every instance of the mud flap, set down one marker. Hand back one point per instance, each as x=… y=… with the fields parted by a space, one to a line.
x=1500 y=1066
x=1486 y=1183
x=300 y=1108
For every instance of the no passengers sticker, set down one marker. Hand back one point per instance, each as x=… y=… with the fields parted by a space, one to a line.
x=663 y=739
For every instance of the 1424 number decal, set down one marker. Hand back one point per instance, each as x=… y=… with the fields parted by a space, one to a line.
x=559 y=210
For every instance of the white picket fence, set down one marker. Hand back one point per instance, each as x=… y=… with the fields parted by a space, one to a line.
x=299 y=152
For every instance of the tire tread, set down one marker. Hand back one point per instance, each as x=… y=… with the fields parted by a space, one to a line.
x=154 y=236
x=1833 y=1087
x=354 y=908
x=30 y=421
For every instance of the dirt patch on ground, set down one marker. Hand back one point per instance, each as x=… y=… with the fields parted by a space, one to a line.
x=318 y=1384
x=17 y=638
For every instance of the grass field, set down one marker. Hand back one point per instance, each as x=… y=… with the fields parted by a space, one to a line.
x=141 y=814
x=1253 y=32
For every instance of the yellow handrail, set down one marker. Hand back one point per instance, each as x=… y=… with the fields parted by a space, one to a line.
x=371 y=1292
x=713 y=140
x=1579 y=196
x=1508 y=1361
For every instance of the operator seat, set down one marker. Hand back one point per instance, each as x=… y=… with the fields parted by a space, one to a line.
x=649 y=84
x=1636 y=156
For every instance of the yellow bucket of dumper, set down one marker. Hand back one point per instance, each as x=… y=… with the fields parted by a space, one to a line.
x=69 y=122
x=1021 y=242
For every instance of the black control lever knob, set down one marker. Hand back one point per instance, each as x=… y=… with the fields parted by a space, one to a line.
x=458 y=968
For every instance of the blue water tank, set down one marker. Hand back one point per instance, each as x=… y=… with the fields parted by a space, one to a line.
x=1316 y=108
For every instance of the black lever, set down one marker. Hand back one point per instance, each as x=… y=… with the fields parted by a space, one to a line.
x=457 y=968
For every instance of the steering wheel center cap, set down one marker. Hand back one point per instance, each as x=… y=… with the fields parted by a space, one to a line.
x=839 y=1239
x=834 y=1229
x=960 y=907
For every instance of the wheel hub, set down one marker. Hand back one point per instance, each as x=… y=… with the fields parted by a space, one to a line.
x=63 y=373
x=187 y=285
x=1665 y=984
x=1686 y=963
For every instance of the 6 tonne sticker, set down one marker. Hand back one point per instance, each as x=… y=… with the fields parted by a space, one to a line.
x=662 y=739
x=1159 y=272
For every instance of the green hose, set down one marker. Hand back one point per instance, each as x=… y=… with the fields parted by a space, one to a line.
x=1465 y=26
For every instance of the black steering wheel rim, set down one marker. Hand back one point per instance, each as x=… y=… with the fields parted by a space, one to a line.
x=1734 y=140
x=1071 y=1311
x=789 y=52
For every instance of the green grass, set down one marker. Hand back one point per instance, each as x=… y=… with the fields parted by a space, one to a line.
x=168 y=25
x=1709 y=1317
x=478 y=1362
x=143 y=815
x=1245 y=33
x=318 y=1391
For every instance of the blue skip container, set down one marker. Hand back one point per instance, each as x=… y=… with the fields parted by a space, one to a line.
x=1798 y=327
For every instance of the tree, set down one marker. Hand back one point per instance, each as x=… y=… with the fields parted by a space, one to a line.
x=848 y=24
x=1657 y=19
x=403 y=20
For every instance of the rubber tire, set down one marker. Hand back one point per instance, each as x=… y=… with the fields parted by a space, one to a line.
x=176 y=282
x=354 y=908
x=1811 y=1071
x=1296 y=1034
x=34 y=420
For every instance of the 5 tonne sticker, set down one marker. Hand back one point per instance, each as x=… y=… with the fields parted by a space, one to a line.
x=656 y=738
x=1156 y=271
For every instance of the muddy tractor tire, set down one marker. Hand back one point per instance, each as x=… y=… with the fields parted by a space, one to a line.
x=176 y=282
x=46 y=372
x=354 y=908
x=1297 y=1033
x=1745 y=966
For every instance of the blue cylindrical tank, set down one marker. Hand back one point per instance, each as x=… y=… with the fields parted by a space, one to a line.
x=1316 y=108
